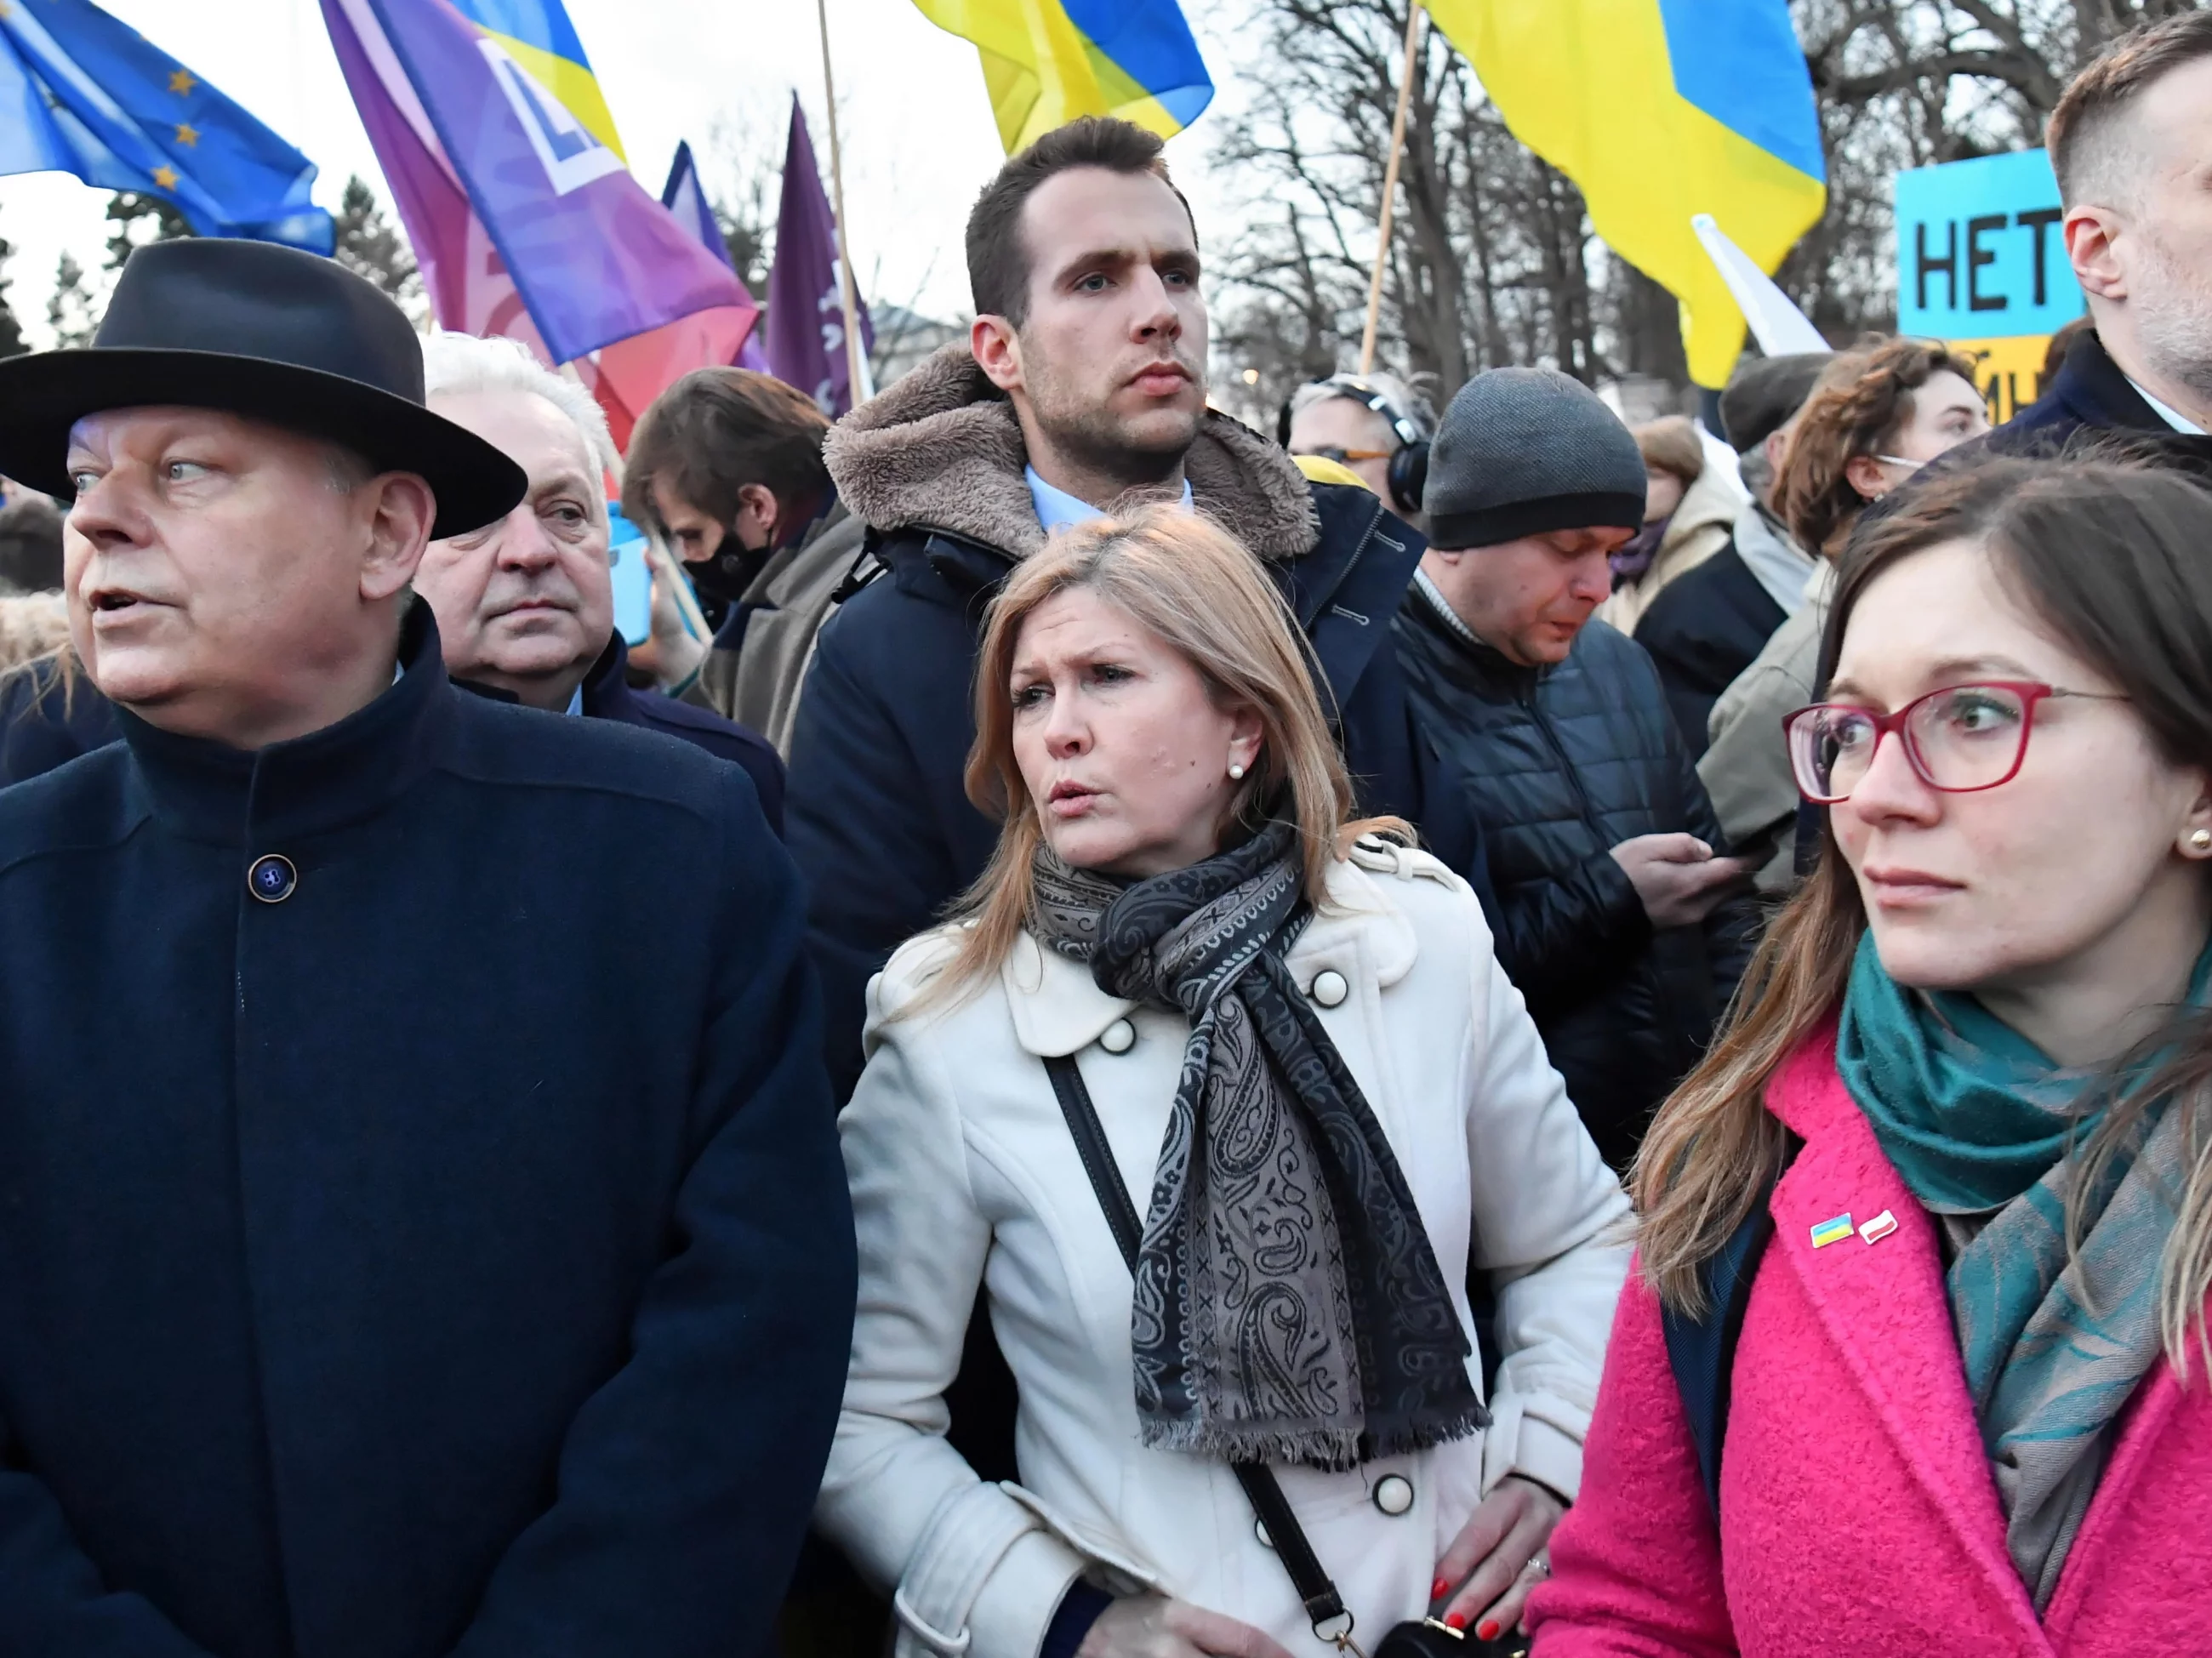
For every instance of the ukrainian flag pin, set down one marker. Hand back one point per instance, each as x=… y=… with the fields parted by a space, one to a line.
x=1831 y=1231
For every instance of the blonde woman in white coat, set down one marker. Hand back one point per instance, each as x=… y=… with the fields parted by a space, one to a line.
x=1325 y=1101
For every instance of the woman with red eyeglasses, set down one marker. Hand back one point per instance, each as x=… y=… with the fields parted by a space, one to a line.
x=1915 y=1359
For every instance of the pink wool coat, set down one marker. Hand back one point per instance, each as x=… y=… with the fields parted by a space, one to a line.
x=1859 y=1516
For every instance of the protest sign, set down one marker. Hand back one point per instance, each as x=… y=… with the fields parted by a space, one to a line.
x=1981 y=265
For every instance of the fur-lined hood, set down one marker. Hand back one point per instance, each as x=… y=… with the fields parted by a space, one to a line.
x=942 y=450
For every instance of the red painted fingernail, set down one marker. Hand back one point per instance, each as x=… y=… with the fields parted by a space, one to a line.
x=1437 y=1589
x=1455 y=1620
x=1487 y=1629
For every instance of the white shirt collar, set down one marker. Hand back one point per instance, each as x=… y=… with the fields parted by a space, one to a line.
x=2170 y=414
x=1055 y=507
x=576 y=703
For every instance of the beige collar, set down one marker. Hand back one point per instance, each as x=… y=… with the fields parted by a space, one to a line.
x=1059 y=1009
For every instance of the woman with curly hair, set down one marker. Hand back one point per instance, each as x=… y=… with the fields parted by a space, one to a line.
x=1878 y=415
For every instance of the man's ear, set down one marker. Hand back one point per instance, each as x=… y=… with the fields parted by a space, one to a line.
x=998 y=352
x=761 y=500
x=401 y=511
x=2092 y=236
x=1775 y=446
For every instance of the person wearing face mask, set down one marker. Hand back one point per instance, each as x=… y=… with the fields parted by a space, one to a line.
x=2131 y=141
x=1944 y=1174
x=1688 y=507
x=526 y=605
x=726 y=469
x=1619 y=919
x=1190 y=986
x=1879 y=415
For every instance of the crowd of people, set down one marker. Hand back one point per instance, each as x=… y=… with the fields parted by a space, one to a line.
x=1115 y=1037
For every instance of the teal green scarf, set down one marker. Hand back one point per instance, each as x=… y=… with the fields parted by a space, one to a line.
x=1978 y=1121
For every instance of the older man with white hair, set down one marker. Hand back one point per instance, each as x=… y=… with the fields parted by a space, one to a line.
x=422 y=1227
x=525 y=605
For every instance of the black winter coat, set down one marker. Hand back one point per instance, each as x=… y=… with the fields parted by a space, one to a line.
x=447 y=1256
x=608 y=695
x=1560 y=766
x=879 y=820
x=1703 y=631
x=2088 y=395
x=45 y=722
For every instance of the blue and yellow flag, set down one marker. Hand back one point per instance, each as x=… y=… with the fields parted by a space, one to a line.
x=1047 y=61
x=1660 y=110
x=538 y=36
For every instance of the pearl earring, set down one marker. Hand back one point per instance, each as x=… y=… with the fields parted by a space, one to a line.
x=2200 y=840
x=1236 y=772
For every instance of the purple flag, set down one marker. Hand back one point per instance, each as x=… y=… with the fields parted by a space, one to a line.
x=506 y=196
x=683 y=196
x=806 y=306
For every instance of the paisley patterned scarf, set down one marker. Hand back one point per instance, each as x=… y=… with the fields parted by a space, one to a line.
x=1288 y=1305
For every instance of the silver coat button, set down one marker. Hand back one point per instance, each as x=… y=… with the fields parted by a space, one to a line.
x=1329 y=987
x=1118 y=1037
x=1394 y=1494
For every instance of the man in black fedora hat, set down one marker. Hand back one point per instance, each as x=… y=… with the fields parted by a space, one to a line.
x=421 y=1227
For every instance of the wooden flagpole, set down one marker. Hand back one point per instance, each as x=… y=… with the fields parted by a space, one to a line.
x=856 y=360
x=1389 y=189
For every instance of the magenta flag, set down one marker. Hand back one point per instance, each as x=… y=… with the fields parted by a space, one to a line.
x=805 y=303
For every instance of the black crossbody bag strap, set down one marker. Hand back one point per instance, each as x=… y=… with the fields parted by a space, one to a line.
x=1324 y=1605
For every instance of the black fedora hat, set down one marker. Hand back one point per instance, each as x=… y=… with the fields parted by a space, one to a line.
x=253 y=329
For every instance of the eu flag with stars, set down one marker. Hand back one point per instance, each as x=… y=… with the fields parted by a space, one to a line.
x=84 y=94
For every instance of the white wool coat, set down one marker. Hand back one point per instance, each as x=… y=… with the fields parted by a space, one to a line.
x=963 y=1174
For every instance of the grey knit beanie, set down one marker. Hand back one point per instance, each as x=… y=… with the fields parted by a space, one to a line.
x=1522 y=451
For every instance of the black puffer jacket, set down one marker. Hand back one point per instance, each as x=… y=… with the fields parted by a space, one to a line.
x=1559 y=766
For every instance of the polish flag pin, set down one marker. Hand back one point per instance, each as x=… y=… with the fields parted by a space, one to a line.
x=1879 y=1227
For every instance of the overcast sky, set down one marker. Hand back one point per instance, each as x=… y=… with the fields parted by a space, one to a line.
x=919 y=138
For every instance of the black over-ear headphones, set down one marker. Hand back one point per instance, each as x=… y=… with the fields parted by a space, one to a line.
x=1409 y=461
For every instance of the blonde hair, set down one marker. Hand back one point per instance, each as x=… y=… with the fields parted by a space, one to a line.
x=1671 y=445
x=1191 y=584
x=32 y=626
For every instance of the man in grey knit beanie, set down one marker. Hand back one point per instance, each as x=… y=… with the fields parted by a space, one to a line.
x=1621 y=925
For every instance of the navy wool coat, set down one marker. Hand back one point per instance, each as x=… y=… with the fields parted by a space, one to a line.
x=451 y=1257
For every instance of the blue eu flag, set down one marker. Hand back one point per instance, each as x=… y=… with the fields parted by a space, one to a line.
x=82 y=92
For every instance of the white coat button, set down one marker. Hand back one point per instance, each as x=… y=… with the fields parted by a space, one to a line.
x=1329 y=987
x=1259 y=1531
x=1118 y=1037
x=1394 y=1494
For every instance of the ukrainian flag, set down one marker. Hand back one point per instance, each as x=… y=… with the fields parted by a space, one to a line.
x=1660 y=110
x=539 y=37
x=1047 y=61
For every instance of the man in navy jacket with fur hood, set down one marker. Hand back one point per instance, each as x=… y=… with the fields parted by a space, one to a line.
x=1082 y=386
x=422 y=1227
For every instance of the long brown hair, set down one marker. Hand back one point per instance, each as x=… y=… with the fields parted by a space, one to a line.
x=1186 y=580
x=2115 y=562
x=1862 y=403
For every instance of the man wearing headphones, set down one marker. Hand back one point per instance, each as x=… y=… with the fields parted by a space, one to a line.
x=1375 y=424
